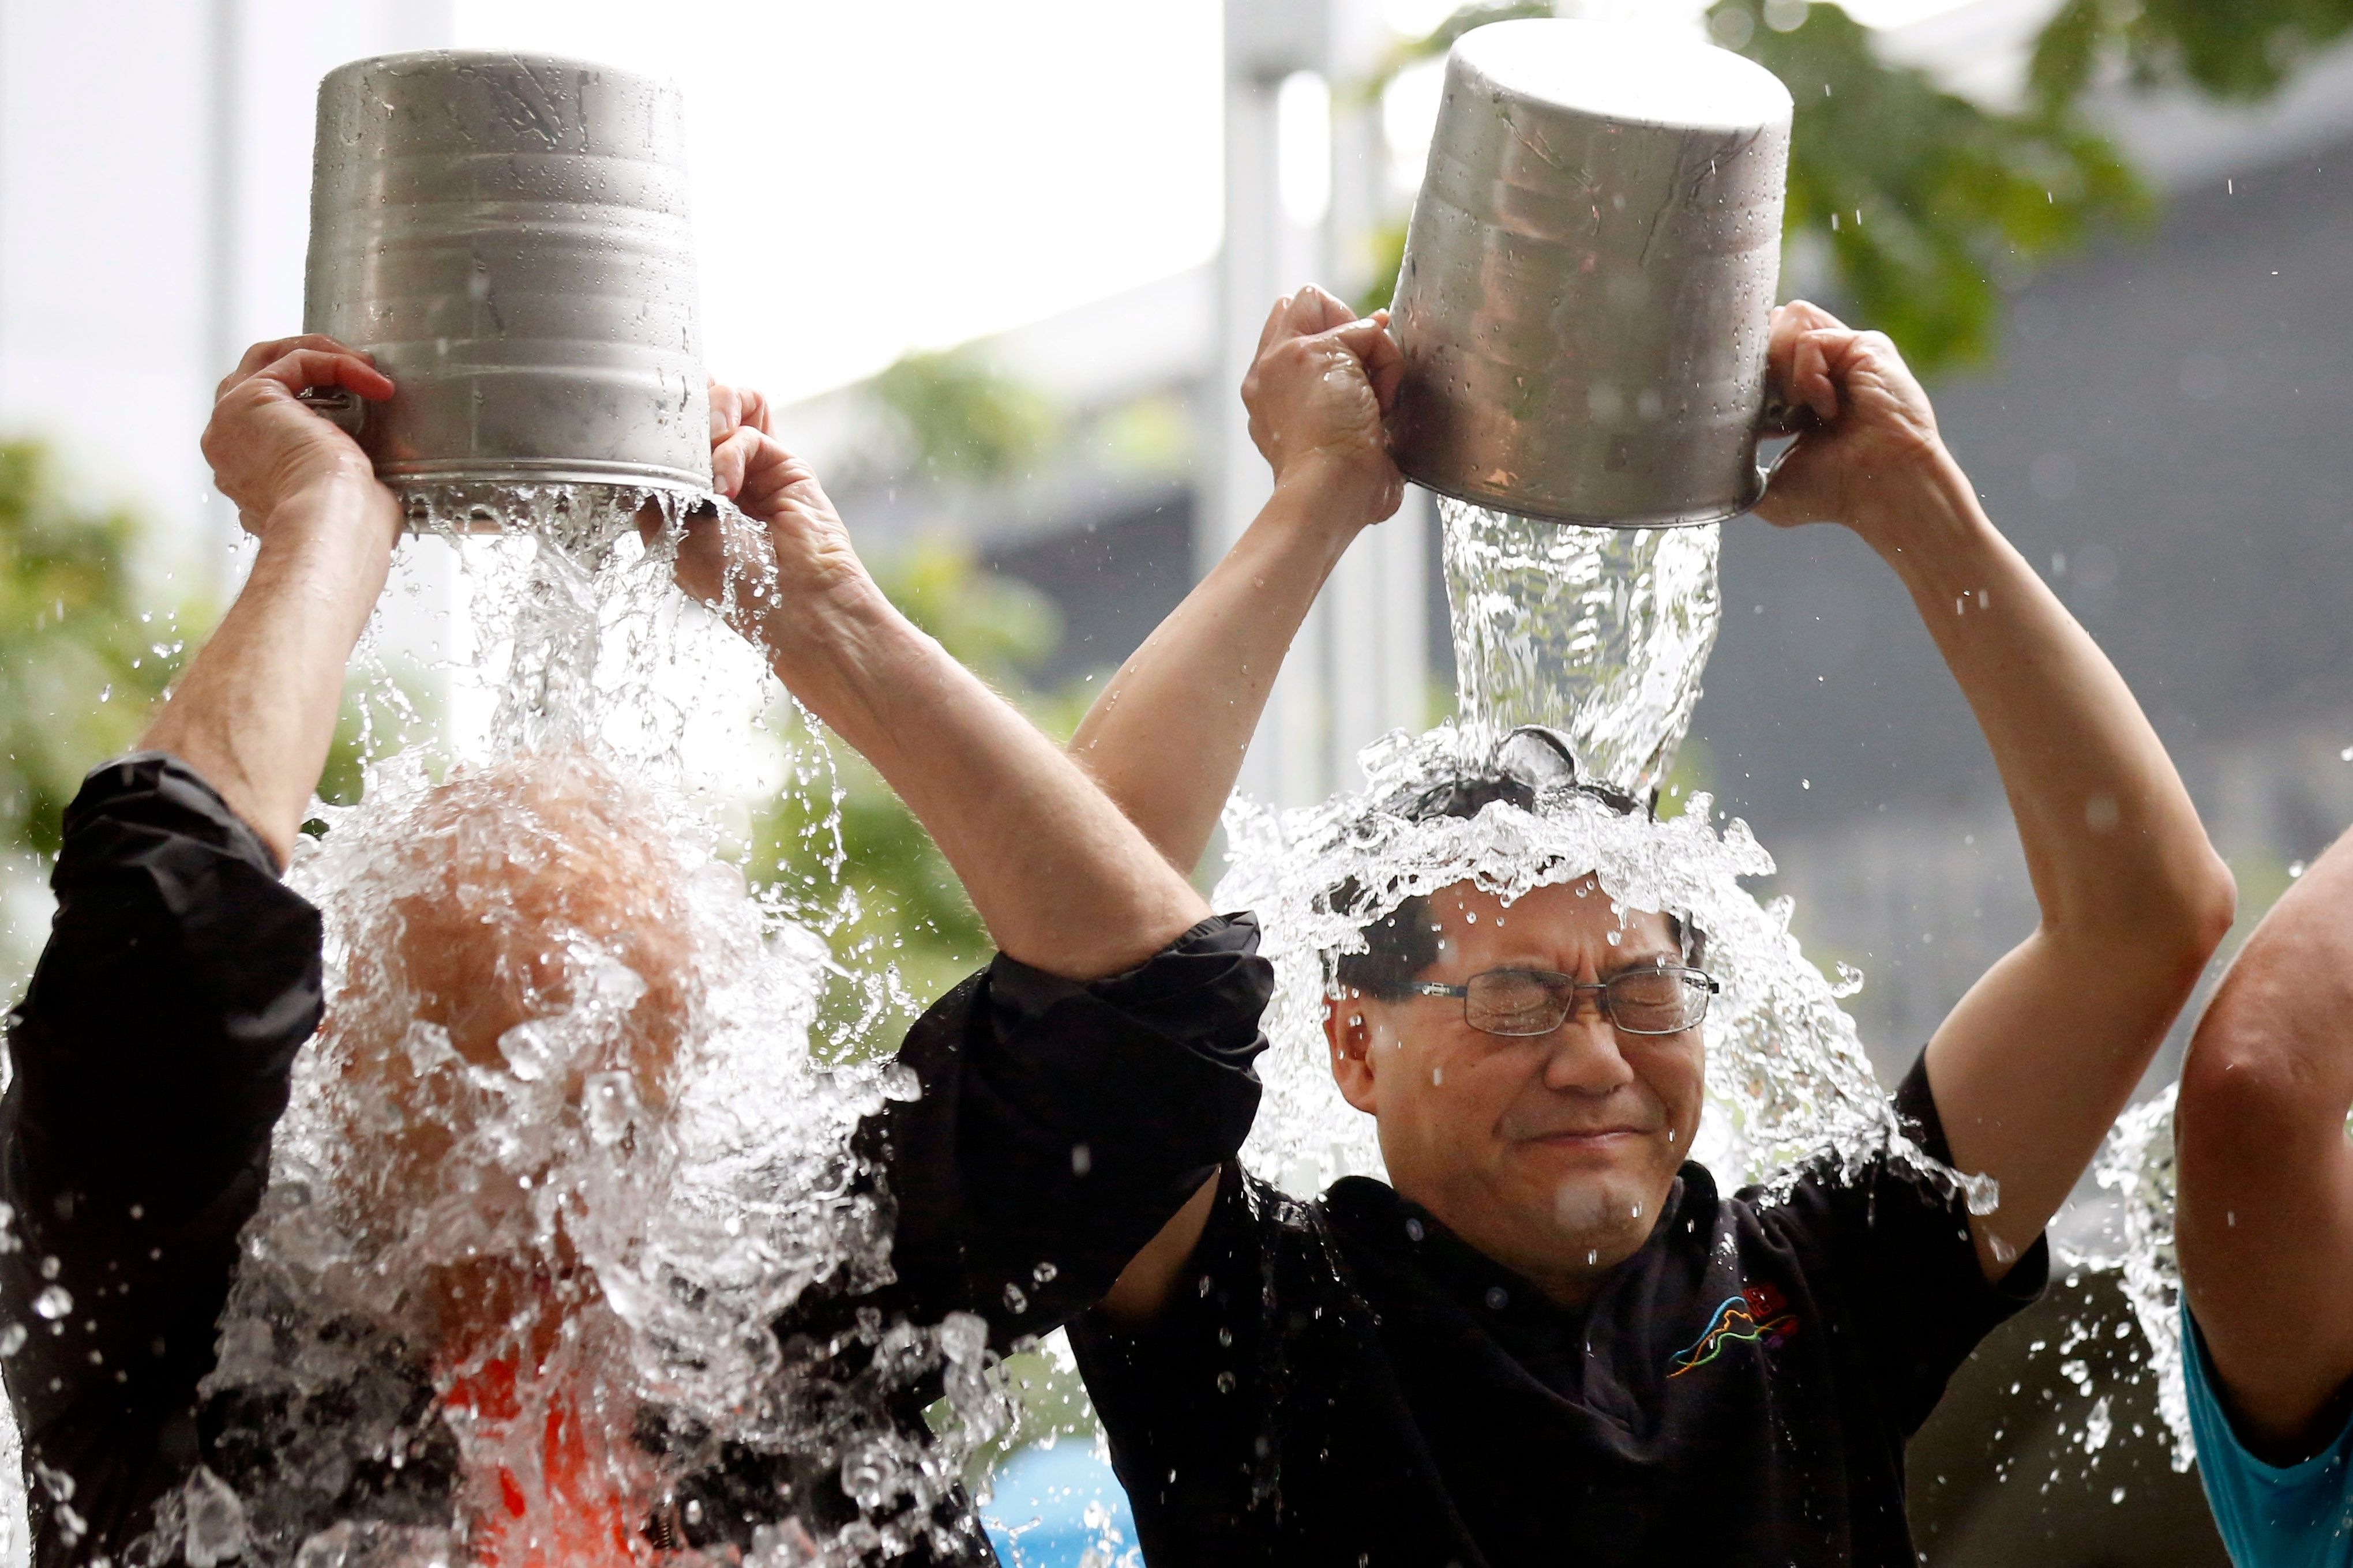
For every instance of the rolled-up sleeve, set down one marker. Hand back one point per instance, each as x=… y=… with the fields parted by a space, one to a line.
x=151 y=1060
x=1060 y=1125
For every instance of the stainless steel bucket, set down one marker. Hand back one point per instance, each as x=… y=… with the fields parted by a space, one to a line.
x=508 y=234
x=1588 y=275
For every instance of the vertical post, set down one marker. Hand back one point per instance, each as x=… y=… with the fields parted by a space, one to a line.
x=1265 y=41
x=1376 y=654
x=1359 y=667
x=225 y=43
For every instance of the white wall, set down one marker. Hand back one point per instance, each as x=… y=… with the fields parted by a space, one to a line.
x=154 y=188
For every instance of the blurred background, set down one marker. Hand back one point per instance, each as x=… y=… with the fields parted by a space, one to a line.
x=1005 y=264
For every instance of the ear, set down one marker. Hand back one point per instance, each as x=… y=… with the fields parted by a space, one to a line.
x=1350 y=1037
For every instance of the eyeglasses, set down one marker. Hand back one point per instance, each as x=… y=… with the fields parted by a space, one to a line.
x=1665 y=999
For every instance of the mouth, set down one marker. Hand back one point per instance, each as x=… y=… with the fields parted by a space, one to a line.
x=1596 y=1139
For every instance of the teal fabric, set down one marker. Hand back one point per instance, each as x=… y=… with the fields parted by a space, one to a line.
x=2295 y=1516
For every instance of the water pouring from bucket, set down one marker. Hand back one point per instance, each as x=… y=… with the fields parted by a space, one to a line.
x=1583 y=313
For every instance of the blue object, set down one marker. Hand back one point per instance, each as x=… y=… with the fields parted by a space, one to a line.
x=2296 y=1516
x=1038 y=1516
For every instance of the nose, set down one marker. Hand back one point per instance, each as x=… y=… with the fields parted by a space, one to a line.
x=1582 y=1056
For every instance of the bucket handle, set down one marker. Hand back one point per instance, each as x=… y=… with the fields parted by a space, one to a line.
x=1781 y=418
x=342 y=410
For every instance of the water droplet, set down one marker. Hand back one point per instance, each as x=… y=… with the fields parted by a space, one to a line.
x=54 y=1302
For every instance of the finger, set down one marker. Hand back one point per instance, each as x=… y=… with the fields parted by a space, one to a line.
x=1790 y=501
x=726 y=412
x=1328 y=309
x=1361 y=338
x=1385 y=365
x=1817 y=371
x=773 y=471
x=1801 y=371
x=1306 y=315
x=1811 y=315
x=732 y=458
x=1277 y=320
x=1791 y=322
x=1369 y=340
x=755 y=410
x=306 y=368
x=263 y=353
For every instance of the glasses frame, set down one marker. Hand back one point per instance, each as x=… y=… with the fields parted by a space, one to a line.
x=1574 y=988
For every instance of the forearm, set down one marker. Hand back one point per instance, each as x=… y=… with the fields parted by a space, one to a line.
x=1063 y=880
x=2264 y=1211
x=255 y=714
x=2034 y=1064
x=1167 y=737
x=2112 y=841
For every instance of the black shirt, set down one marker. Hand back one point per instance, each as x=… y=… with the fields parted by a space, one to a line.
x=1339 y=1382
x=1345 y=1382
x=152 y=1057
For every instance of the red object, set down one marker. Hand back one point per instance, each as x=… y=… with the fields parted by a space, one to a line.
x=592 y=1499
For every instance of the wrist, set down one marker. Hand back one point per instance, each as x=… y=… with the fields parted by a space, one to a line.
x=841 y=652
x=339 y=511
x=1920 y=510
x=1341 y=491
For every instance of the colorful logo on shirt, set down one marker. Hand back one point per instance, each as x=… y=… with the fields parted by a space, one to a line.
x=1757 y=1314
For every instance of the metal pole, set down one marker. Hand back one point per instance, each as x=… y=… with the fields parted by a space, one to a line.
x=1265 y=40
x=225 y=39
x=1377 y=657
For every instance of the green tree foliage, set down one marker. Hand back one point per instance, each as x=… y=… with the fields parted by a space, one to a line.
x=1929 y=205
x=2231 y=49
x=1927 y=202
x=81 y=658
x=960 y=419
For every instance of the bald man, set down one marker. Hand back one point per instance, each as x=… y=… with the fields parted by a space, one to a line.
x=152 y=1052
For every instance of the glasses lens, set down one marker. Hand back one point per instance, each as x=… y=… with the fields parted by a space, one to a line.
x=1656 y=1001
x=1514 y=1001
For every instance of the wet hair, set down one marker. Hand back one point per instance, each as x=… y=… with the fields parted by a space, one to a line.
x=1401 y=944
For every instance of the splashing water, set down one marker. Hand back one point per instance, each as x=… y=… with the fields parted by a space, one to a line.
x=1787 y=1078
x=1600 y=631
x=1602 y=634
x=561 y=1155
x=2137 y=1164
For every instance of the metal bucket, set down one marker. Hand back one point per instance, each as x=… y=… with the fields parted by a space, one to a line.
x=508 y=235
x=1588 y=277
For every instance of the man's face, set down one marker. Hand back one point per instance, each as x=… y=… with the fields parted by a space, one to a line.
x=1551 y=1153
x=507 y=879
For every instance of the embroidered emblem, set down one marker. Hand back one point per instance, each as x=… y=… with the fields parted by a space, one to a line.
x=1758 y=1313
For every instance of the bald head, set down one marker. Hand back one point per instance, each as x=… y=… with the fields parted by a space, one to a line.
x=524 y=937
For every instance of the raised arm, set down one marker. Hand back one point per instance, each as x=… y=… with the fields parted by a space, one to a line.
x=1166 y=739
x=2264 y=1214
x=255 y=712
x=2032 y=1065
x=154 y=1048
x=1064 y=882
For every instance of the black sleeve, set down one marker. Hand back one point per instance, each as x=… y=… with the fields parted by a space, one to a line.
x=1905 y=1267
x=151 y=1058
x=1062 y=1124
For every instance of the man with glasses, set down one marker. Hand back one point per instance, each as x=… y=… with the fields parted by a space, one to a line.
x=1548 y=1337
